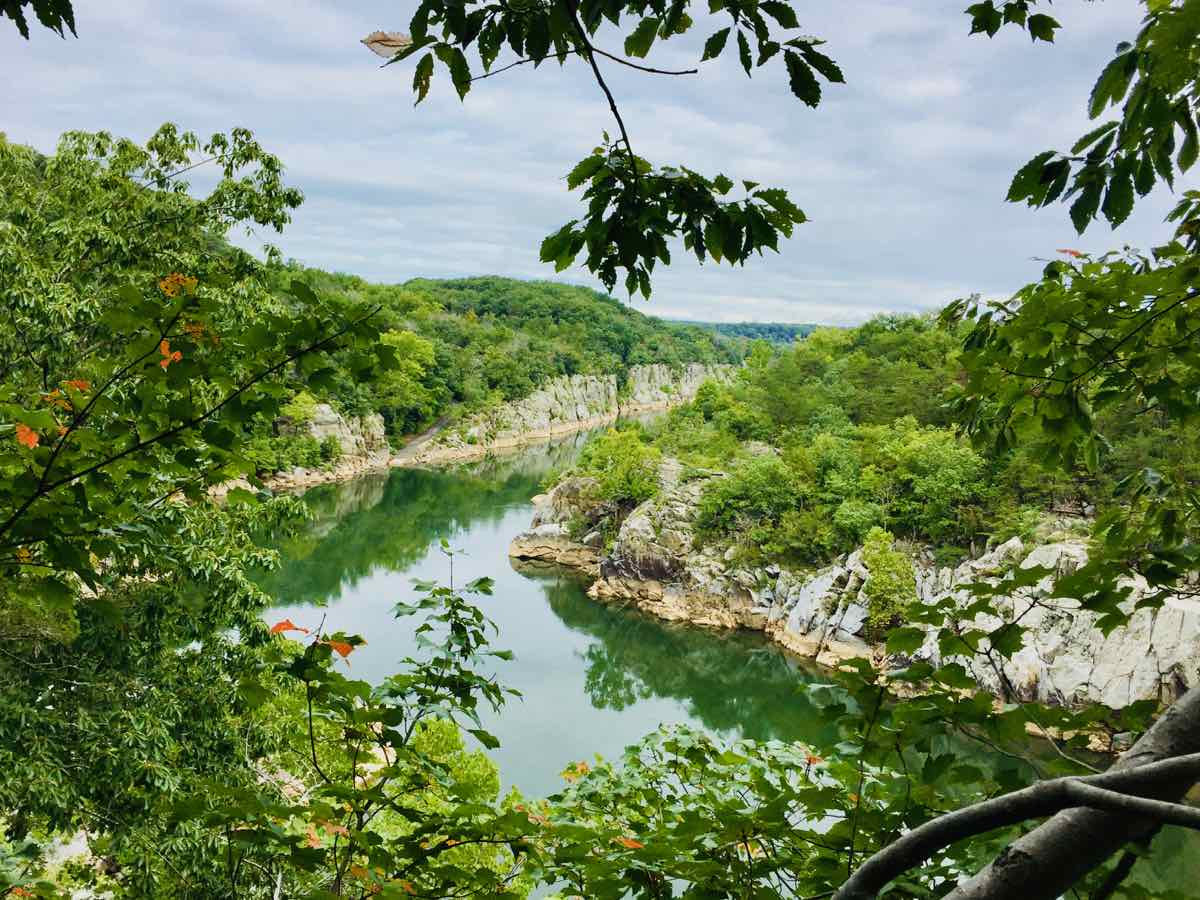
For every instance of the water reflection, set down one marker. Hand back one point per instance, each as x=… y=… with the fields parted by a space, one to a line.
x=594 y=678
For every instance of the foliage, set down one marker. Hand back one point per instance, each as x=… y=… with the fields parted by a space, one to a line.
x=300 y=409
x=892 y=586
x=57 y=15
x=624 y=466
x=152 y=345
x=783 y=333
x=466 y=343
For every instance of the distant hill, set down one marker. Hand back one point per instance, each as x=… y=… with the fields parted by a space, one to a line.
x=775 y=332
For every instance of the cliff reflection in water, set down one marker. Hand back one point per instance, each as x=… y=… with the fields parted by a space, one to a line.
x=733 y=682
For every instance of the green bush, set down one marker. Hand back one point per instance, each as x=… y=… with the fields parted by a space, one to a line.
x=300 y=409
x=758 y=491
x=892 y=587
x=624 y=466
x=330 y=449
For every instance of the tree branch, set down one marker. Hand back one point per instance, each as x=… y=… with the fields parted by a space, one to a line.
x=1104 y=792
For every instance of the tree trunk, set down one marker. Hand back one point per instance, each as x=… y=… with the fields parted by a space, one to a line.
x=1046 y=862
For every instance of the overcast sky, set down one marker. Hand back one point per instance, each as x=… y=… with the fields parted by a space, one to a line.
x=902 y=171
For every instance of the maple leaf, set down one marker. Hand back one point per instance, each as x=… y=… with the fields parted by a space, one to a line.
x=287 y=625
x=27 y=436
x=313 y=840
x=629 y=843
x=341 y=647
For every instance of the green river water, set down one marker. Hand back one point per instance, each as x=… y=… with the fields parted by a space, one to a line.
x=594 y=678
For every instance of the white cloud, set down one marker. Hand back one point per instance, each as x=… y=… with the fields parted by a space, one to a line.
x=902 y=171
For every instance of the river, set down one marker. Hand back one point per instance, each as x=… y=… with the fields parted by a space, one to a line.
x=593 y=678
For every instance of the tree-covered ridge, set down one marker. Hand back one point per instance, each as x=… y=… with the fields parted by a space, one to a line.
x=773 y=332
x=466 y=343
x=854 y=429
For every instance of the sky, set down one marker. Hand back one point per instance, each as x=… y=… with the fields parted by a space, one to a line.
x=902 y=171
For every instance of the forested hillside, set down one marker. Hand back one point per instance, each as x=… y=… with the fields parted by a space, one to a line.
x=469 y=342
x=774 y=332
x=861 y=422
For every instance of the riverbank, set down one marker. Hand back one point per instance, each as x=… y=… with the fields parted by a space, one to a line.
x=561 y=407
x=650 y=561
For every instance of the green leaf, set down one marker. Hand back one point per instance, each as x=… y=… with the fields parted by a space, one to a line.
x=1112 y=84
x=1092 y=136
x=780 y=12
x=985 y=18
x=422 y=76
x=1190 y=146
x=484 y=737
x=638 y=44
x=801 y=79
x=715 y=44
x=585 y=170
x=1042 y=27
x=823 y=64
x=1028 y=178
x=744 y=51
x=905 y=640
x=1086 y=205
x=1118 y=201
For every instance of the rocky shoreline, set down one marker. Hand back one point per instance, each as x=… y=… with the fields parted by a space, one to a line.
x=561 y=407
x=652 y=563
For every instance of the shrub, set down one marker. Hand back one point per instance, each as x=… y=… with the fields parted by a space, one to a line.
x=330 y=449
x=301 y=408
x=624 y=466
x=892 y=587
x=758 y=491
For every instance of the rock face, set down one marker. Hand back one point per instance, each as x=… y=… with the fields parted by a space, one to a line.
x=653 y=564
x=569 y=403
x=363 y=442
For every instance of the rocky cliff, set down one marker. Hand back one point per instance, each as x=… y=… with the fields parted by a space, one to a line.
x=363 y=442
x=653 y=564
x=566 y=404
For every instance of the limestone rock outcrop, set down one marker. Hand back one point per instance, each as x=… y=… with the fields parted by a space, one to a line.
x=653 y=563
x=363 y=443
x=567 y=404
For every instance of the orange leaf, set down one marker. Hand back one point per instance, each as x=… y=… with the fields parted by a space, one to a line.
x=1075 y=253
x=629 y=843
x=287 y=625
x=812 y=759
x=335 y=828
x=360 y=873
x=341 y=647
x=79 y=384
x=168 y=357
x=312 y=840
x=27 y=436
